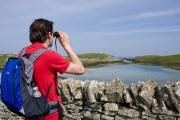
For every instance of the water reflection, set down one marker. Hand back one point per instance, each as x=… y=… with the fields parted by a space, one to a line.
x=129 y=73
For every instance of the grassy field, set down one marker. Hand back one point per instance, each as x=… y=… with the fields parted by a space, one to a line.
x=97 y=59
x=100 y=59
x=93 y=55
x=171 y=61
x=89 y=59
x=153 y=58
x=4 y=58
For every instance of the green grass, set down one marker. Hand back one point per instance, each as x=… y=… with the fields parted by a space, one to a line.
x=97 y=59
x=100 y=59
x=165 y=59
x=4 y=58
x=89 y=59
x=94 y=55
x=171 y=61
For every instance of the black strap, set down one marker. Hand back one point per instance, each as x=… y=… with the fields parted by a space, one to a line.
x=27 y=55
x=55 y=106
x=56 y=43
x=40 y=118
x=47 y=94
x=60 y=112
x=59 y=109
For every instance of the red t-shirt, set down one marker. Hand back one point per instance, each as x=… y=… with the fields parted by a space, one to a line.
x=45 y=73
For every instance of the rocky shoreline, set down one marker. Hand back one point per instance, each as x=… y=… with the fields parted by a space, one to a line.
x=94 y=100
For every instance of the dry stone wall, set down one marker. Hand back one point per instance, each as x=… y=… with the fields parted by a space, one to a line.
x=5 y=114
x=94 y=100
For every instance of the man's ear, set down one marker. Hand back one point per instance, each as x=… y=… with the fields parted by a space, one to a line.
x=49 y=35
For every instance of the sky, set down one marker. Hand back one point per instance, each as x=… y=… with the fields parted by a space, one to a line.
x=122 y=28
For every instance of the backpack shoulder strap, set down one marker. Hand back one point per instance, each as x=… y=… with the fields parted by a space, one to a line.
x=22 y=52
x=37 y=53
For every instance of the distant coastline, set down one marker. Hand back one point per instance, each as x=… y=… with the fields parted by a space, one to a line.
x=101 y=59
x=88 y=60
x=170 y=61
x=98 y=59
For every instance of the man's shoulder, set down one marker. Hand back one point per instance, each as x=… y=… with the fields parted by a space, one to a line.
x=52 y=54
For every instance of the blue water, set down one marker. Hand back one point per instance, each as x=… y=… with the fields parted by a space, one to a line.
x=131 y=73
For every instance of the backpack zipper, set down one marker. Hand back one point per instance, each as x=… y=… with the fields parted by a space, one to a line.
x=13 y=91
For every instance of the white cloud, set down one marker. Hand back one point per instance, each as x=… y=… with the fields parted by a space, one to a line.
x=148 y=30
x=136 y=31
x=28 y=10
x=144 y=15
x=79 y=6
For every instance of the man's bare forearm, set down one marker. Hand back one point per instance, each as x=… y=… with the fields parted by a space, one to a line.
x=72 y=56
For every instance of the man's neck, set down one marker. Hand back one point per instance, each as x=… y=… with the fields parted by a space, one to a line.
x=45 y=45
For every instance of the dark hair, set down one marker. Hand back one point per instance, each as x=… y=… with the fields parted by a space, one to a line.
x=39 y=30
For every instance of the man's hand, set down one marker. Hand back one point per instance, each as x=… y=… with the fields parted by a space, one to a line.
x=63 y=39
x=75 y=67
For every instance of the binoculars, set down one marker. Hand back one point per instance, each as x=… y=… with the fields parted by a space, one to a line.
x=56 y=34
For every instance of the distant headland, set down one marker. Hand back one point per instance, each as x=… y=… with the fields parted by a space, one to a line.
x=170 y=61
x=101 y=59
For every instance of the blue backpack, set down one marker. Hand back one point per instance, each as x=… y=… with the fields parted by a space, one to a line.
x=17 y=85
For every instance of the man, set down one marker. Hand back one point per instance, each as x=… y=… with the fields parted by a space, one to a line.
x=50 y=62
